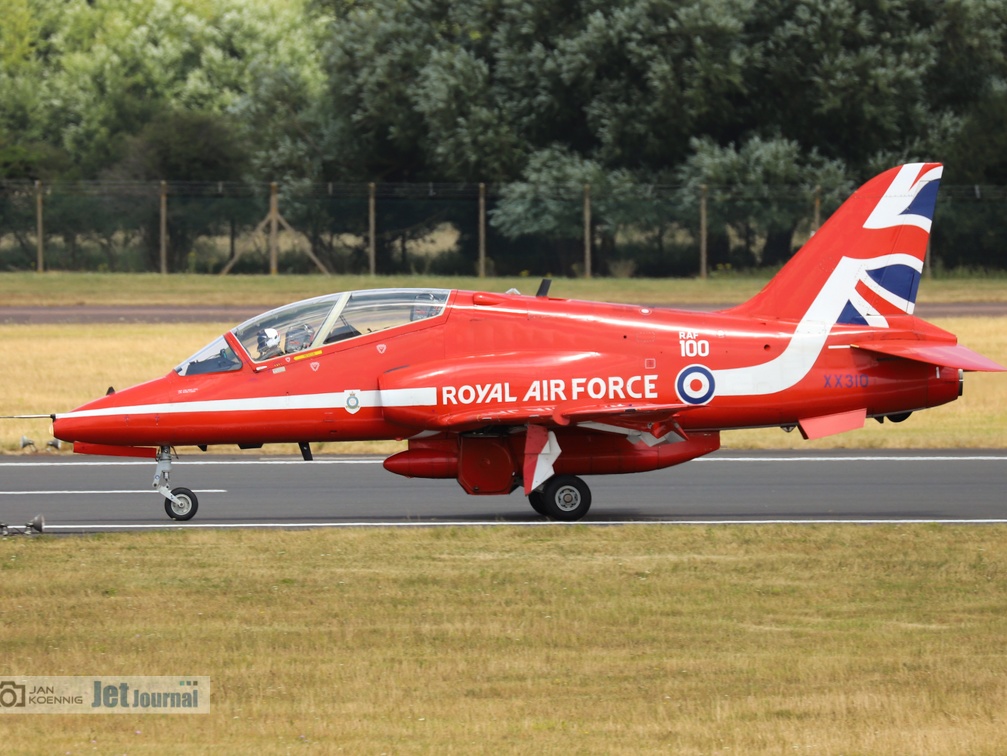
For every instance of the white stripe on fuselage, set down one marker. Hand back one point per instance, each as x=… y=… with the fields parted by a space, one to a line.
x=418 y=397
x=800 y=355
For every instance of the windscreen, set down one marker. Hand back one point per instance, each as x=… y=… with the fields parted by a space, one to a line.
x=217 y=357
x=336 y=317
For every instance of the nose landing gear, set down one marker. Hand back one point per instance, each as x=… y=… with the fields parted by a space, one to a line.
x=179 y=503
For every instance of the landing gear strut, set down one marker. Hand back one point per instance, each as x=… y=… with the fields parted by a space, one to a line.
x=179 y=503
x=562 y=497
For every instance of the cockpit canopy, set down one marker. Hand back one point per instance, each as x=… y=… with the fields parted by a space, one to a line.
x=313 y=323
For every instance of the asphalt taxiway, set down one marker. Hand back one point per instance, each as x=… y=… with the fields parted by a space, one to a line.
x=82 y=494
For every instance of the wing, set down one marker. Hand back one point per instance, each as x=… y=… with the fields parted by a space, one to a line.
x=623 y=417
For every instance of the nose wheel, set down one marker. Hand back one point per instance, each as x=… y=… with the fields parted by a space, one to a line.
x=183 y=505
x=179 y=503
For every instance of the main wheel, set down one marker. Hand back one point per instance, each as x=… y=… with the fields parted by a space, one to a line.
x=566 y=497
x=186 y=507
x=537 y=503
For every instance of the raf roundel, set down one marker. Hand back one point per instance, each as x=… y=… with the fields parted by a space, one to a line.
x=695 y=385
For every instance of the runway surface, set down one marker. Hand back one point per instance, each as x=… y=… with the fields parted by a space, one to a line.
x=81 y=494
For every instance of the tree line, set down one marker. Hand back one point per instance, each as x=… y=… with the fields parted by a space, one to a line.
x=754 y=100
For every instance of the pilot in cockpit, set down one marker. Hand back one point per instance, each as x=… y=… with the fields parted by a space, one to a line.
x=268 y=341
x=298 y=338
x=425 y=307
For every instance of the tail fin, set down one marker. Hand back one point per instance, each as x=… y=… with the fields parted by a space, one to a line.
x=865 y=262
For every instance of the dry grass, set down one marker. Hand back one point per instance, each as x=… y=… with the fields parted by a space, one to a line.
x=55 y=368
x=686 y=640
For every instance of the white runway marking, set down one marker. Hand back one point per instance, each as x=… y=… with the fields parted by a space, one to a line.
x=94 y=493
x=535 y=523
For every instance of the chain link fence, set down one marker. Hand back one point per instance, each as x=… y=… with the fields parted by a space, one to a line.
x=462 y=229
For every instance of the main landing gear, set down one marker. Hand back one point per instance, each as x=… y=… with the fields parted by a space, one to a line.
x=180 y=503
x=562 y=497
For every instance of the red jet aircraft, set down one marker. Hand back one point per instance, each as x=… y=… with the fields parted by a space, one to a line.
x=501 y=391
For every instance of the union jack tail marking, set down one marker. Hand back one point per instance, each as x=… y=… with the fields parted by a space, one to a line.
x=866 y=259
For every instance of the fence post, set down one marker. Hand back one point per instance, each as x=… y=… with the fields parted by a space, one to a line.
x=39 y=230
x=164 y=228
x=274 y=239
x=587 y=230
x=372 y=224
x=818 y=209
x=702 y=232
x=482 y=230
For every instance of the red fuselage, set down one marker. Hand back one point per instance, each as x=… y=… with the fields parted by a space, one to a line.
x=486 y=357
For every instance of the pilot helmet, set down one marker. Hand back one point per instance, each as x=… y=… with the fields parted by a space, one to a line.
x=268 y=338
x=425 y=306
x=298 y=337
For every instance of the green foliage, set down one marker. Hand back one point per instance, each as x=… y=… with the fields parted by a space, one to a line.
x=17 y=33
x=624 y=95
x=186 y=146
x=434 y=90
x=761 y=190
x=91 y=74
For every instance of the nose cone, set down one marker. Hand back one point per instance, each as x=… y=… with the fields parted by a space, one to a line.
x=122 y=418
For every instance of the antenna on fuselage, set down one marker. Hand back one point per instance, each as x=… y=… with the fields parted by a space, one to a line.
x=543 y=288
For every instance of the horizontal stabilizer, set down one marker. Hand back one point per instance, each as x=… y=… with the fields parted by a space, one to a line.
x=828 y=425
x=943 y=355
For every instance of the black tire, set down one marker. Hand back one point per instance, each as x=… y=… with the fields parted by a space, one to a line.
x=537 y=503
x=189 y=504
x=566 y=498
